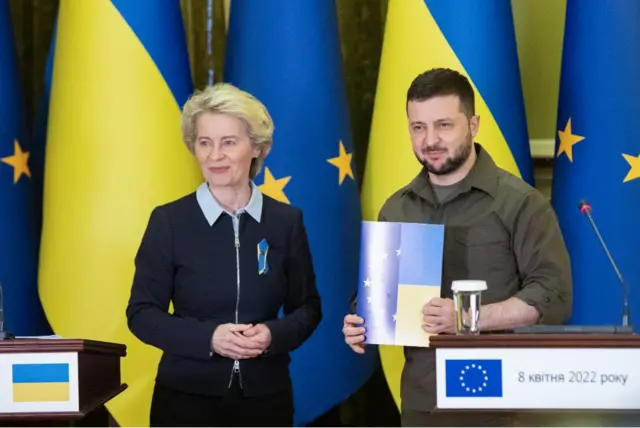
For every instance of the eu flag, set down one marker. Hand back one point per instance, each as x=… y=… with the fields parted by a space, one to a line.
x=598 y=154
x=400 y=270
x=18 y=227
x=287 y=54
x=473 y=378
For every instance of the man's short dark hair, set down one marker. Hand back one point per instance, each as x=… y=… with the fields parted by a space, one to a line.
x=441 y=82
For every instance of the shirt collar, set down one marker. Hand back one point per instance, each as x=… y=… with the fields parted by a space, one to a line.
x=212 y=209
x=484 y=174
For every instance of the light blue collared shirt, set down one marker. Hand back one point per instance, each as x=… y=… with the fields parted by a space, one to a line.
x=212 y=209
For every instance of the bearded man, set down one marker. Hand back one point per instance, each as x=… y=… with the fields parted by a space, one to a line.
x=497 y=228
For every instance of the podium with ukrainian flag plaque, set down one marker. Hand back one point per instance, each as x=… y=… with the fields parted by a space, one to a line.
x=556 y=376
x=57 y=379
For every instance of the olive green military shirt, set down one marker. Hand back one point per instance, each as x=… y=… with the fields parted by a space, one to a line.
x=498 y=229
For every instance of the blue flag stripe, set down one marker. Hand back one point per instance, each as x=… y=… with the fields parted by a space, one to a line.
x=36 y=373
x=168 y=53
x=483 y=37
x=420 y=267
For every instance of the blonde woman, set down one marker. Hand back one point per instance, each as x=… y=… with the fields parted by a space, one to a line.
x=228 y=258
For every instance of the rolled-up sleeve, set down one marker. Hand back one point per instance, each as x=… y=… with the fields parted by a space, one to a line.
x=302 y=307
x=147 y=312
x=543 y=260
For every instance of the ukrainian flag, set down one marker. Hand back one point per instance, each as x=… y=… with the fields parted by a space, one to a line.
x=598 y=155
x=114 y=151
x=18 y=221
x=475 y=38
x=34 y=383
x=287 y=53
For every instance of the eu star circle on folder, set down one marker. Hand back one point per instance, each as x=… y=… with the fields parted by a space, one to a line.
x=263 y=265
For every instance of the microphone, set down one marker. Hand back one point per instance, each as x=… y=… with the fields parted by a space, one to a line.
x=3 y=334
x=585 y=208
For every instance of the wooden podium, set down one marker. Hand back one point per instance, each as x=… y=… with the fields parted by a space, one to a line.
x=56 y=381
x=541 y=379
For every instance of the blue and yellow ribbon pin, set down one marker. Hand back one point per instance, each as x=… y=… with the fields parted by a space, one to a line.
x=263 y=249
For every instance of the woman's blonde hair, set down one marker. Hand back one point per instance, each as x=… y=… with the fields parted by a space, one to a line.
x=225 y=98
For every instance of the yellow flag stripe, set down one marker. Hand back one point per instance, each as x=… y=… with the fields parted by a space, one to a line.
x=114 y=152
x=42 y=391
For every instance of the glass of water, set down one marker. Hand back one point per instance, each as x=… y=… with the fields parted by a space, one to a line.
x=467 y=298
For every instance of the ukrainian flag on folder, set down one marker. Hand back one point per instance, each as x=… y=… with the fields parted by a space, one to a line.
x=476 y=38
x=400 y=269
x=598 y=155
x=40 y=382
x=287 y=54
x=114 y=151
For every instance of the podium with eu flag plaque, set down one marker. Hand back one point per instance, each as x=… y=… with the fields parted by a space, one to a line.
x=49 y=380
x=552 y=374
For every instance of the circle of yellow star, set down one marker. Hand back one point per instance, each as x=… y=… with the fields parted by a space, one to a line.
x=274 y=188
x=343 y=163
x=634 y=172
x=567 y=141
x=19 y=162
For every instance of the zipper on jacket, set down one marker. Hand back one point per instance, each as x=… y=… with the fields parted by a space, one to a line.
x=236 y=363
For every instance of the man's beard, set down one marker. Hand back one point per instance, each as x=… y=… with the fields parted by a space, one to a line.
x=453 y=163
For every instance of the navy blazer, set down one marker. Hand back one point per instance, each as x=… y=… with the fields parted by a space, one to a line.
x=188 y=257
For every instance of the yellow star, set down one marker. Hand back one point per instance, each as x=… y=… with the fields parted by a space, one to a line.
x=19 y=162
x=567 y=140
x=634 y=172
x=343 y=162
x=274 y=188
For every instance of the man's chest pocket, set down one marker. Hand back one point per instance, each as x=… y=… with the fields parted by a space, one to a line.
x=483 y=249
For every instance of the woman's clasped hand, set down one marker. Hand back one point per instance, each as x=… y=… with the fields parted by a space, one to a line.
x=241 y=341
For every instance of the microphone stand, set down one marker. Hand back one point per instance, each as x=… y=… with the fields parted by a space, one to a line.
x=585 y=209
